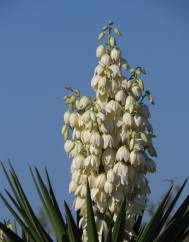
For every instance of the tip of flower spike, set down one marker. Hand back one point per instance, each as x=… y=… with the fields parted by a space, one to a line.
x=110 y=22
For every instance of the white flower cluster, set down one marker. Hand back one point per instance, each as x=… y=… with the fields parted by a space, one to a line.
x=109 y=139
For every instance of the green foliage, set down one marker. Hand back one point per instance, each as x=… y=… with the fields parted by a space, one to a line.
x=162 y=227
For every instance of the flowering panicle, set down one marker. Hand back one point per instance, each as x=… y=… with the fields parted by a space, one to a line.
x=109 y=138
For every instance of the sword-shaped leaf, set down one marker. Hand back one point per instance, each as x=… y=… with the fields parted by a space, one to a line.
x=117 y=233
x=91 y=225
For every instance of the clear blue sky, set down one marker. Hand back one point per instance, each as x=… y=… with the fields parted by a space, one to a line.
x=45 y=45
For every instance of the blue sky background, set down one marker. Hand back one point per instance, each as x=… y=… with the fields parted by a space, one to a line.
x=45 y=45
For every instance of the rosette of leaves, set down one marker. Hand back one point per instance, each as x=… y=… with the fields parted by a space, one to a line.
x=164 y=226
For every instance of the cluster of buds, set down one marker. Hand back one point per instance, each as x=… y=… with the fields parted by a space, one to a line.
x=109 y=139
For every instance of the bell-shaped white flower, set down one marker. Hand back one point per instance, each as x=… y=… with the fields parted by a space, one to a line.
x=107 y=141
x=136 y=90
x=120 y=97
x=108 y=187
x=137 y=158
x=85 y=136
x=92 y=161
x=74 y=119
x=128 y=120
x=84 y=102
x=77 y=149
x=115 y=54
x=122 y=154
x=67 y=117
x=96 y=139
x=105 y=60
x=94 y=82
x=68 y=146
x=79 y=203
x=129 y=101
x=115 y=70
x=94 y=150
x=99 y=70
x=102 y=82
x=113 y=107
x=78 y=162
x=100 y=181
x=72 y=186
x=122 y=171
x=81 y=191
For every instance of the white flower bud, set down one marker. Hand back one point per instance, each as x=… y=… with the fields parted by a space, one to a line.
x=105 y=60
x=108 y=187
x=74 y=119
x=66 y=117
x=100 y=51
x=68 y=146
x=115 y=54
x=122 y=154
x=120 y=97
x=112 y=41
x=100 y=181
x=65 y=131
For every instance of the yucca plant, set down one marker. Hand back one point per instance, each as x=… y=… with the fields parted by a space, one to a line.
x=158 y=229
x=110 y=140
